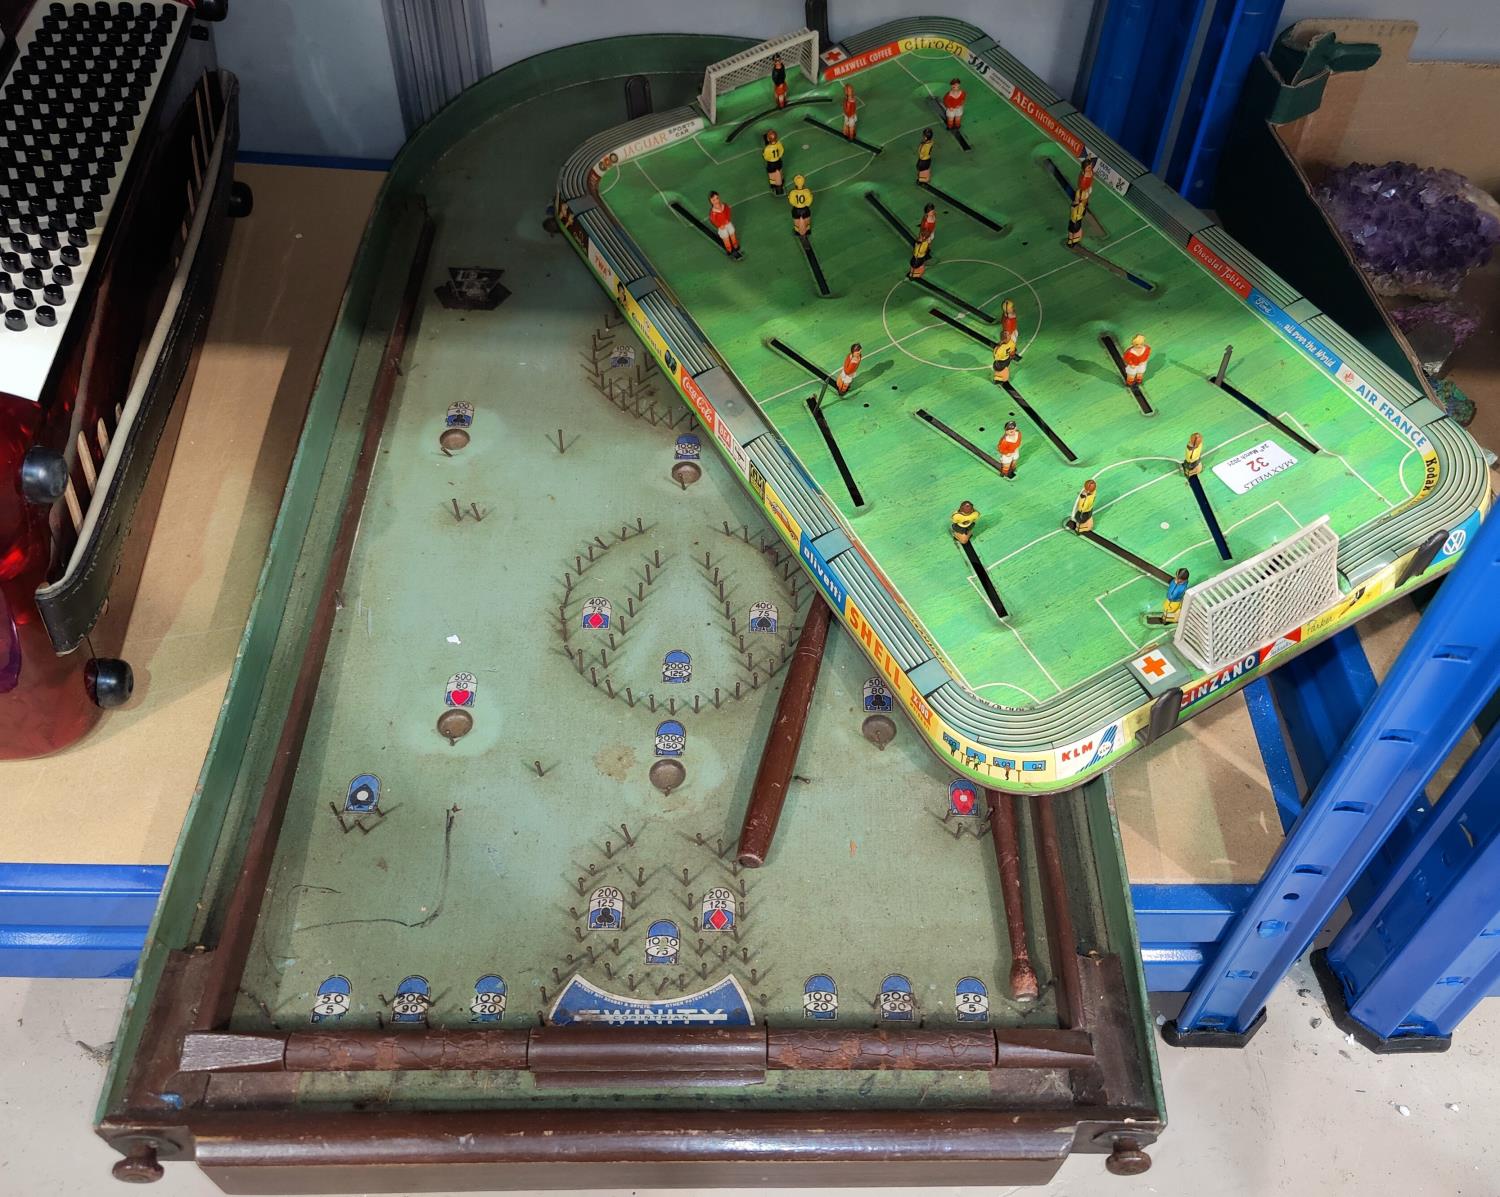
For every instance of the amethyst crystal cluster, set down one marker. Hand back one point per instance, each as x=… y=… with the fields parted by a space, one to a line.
x=1415 y=231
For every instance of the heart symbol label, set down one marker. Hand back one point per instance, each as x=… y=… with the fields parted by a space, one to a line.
x=962 y=797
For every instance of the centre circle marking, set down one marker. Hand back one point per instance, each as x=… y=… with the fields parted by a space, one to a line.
x=917 y=357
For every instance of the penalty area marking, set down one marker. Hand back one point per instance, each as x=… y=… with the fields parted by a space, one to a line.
x=722 y=161
x=1099 y=598
x=1400 y=477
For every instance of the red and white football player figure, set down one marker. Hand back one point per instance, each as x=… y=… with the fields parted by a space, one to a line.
x=845 y=377
x=1008 y=323
x=953 y=103
x=720 y=216
x=1009 y=449
x=928 y=228
x=851 y=111
x=1136 y=357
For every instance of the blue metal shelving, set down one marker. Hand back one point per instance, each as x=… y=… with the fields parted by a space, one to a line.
x=75 y=920
x=1423 y=944
x=1166 y=76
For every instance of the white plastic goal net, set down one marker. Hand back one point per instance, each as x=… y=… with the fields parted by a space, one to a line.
x=798 y=50
x=1259 y=600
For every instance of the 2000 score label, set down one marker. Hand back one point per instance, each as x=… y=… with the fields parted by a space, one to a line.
x=1245 y=471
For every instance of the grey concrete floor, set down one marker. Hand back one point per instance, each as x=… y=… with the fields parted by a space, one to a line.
x=1301 y=1110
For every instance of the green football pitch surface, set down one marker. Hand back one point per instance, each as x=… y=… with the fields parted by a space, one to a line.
x=1074 y=608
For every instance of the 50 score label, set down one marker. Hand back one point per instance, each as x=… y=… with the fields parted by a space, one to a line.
x=1245 y=471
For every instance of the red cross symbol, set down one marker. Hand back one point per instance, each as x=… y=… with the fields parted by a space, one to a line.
x=1153 y=665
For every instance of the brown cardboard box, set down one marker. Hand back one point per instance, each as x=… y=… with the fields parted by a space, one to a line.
x=1435 y=114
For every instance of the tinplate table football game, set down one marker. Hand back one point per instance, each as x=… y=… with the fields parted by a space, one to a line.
x=553 y=834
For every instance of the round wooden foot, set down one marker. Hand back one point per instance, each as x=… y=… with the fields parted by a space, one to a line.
x=1127 y=1158
x=138 y=1166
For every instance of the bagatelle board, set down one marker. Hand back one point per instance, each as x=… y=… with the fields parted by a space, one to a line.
x=459 y=901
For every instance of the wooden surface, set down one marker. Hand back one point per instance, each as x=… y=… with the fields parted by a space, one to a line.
x=119 y=796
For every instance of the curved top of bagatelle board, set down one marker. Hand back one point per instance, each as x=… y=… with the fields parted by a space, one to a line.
x=1316 y=457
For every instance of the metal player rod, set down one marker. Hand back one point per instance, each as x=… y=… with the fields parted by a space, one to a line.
x=768 y=793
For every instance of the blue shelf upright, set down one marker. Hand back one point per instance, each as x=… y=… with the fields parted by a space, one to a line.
x=1405 y=970
x=1165 y=78
x=1368 y=833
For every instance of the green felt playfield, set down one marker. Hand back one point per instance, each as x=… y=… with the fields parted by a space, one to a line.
x=1297 y=434
x=1075 y=609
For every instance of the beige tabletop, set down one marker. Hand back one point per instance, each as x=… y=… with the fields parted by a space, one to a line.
x=118 y=796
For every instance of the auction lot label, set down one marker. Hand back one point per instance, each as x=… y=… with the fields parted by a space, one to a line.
x=1245 y=471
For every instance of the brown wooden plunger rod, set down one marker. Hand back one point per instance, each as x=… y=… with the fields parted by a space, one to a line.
x=784 y=739
x=1072 y=1012
x=690 y=1052
x=1023 y=986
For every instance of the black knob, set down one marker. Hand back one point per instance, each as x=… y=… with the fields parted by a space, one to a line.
x=69 y=255
x=44 y=474
x=61 y=274
x=53 y=294
x=45 y=315
x=23 y=298
x=5 y=283
x=110 y=682
x=76 y=236
x=15 y=321
x=32 y=277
